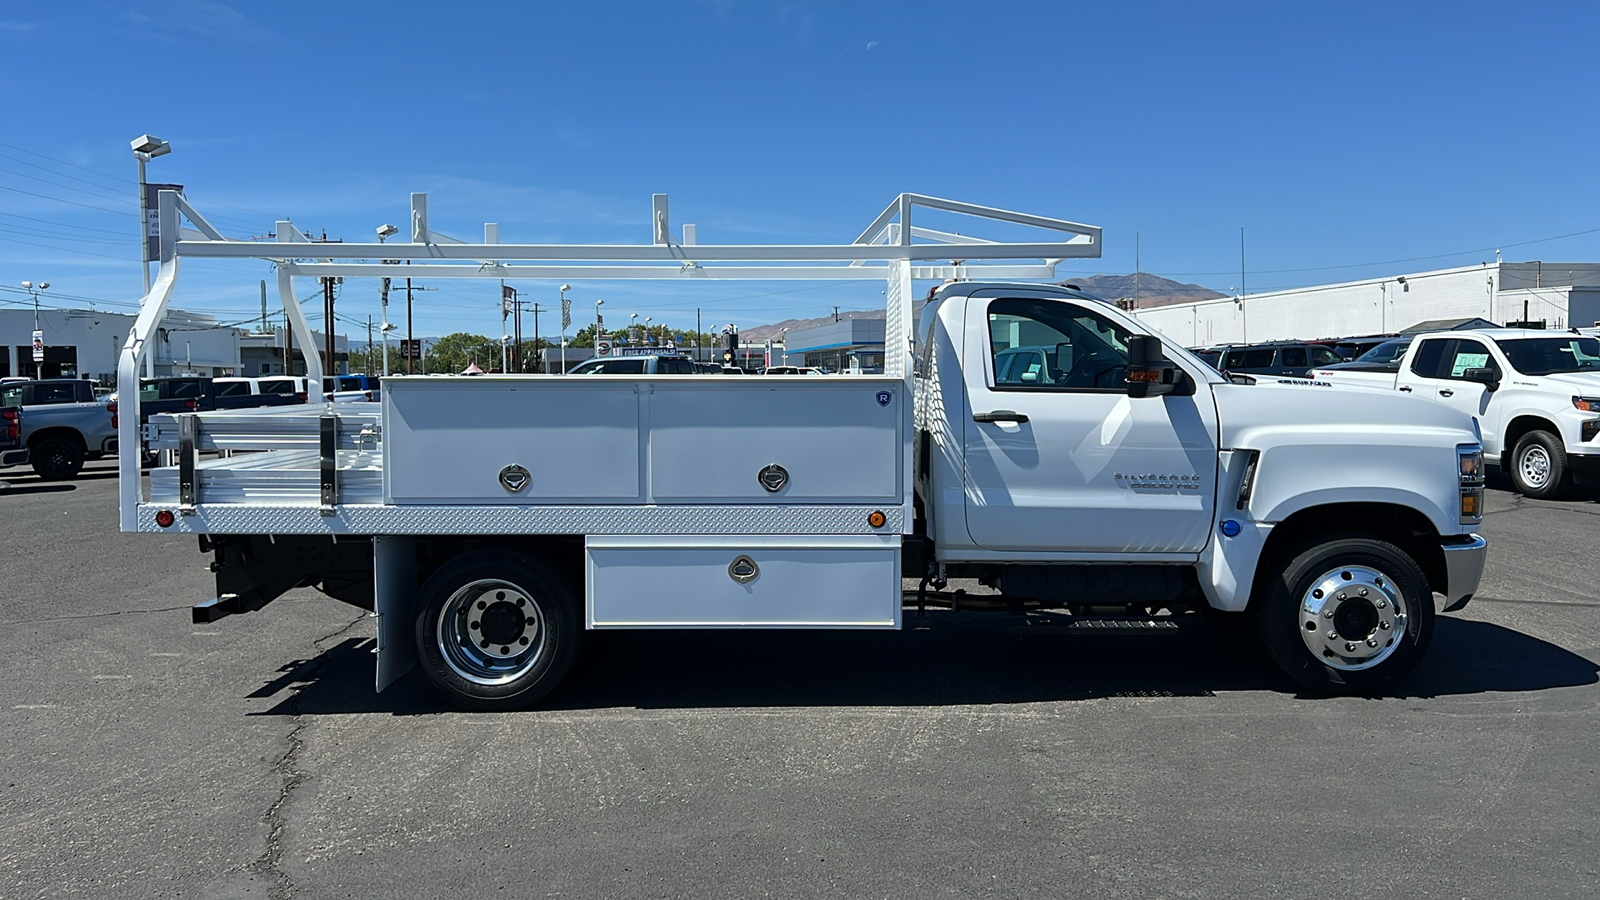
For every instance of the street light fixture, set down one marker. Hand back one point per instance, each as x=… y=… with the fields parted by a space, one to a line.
x=647 y=329
x=145 y=148
x=597 y=305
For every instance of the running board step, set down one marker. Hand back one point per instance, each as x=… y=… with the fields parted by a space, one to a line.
x=1106 y=625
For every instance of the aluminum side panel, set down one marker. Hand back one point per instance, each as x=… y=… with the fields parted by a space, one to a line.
x=798 y=582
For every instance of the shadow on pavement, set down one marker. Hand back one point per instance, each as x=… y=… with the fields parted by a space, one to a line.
x=48 y=487
x=955 y=662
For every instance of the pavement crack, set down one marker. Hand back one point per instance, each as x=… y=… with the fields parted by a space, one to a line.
x=120 y=612
x=269 y=865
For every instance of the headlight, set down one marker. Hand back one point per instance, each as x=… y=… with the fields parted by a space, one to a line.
x=1471 y=459
x=1586 y=404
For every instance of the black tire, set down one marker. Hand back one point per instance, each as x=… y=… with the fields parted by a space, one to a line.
x=56 y=458
x=487 y=584
x=1539 y=466
x=1357 y=615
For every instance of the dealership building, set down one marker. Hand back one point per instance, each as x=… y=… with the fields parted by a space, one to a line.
x=1560 y=295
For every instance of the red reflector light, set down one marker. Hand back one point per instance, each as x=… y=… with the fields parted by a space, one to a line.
x=302 y=397
x=165 y=518
x=192 y=405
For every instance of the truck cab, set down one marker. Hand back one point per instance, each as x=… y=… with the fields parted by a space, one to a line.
x=1064 y=450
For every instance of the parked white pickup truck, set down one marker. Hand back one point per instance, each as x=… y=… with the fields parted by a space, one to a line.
x=1113 y=477
x=1535 y=395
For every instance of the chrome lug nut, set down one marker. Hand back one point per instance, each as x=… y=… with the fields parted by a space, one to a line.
x=1384 y=625
x=1371 y=642
x=1363 y=592
x=1349 y=647
x=1327 y=614
x=1383 y=604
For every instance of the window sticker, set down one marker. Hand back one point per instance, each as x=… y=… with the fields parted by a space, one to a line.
x=1465 y=361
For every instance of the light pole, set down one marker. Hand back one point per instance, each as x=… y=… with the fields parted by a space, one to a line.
x=785 y=337
x=35 y=291
x=647 y=330
x=597 y=305
x=145 y=148
x=633 y=320
x=385 y=231
x=38 y=364
x=565 y=316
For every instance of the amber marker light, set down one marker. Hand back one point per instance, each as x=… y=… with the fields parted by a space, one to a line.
x=876 y=518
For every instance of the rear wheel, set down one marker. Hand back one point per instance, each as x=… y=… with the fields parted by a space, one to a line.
x=495 y=630
x=1539 y=465
x=1348 y=616
x=56 y=458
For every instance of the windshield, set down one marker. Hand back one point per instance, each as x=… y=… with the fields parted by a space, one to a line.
x=1548 y=356
x=1386 y=352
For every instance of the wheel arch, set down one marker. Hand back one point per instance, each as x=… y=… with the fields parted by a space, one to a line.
x=1517 y=429
x=58 y=431
x=1405 y=527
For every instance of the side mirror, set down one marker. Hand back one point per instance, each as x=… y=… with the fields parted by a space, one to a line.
x=1489 y=378
x=1150 y=373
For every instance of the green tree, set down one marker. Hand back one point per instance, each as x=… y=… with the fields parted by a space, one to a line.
x=454 y=352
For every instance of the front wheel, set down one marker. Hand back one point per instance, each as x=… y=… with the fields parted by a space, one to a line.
x=495 y=630
x=1539 y=466
x=1348 y=616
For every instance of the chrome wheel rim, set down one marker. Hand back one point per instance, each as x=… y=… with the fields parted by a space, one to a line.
x=1534 y=466
x=491 y=632
x=1353 y=618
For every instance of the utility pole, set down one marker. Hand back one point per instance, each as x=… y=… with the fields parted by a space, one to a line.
x=288 y=344
x=369 y=344
x=535 y=339
x=1136 y=269
x=697 y=334
x=836 y=313
x=327 y=324
x=505 y=345
x=263 y=306
x=408 y=322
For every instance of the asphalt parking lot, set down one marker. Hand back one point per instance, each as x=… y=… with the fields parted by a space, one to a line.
x=146 y=757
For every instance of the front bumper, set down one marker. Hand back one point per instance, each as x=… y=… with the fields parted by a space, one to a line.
x=1463 y=564
x=1584 y=463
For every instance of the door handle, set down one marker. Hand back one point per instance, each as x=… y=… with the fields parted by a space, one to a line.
x=1446 y=392
x=1000 y=415
x=1405 y=390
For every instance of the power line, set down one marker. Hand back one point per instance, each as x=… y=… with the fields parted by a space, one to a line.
x=54 y=160
x=115 y=212
x=11 y=240
x=62 y=224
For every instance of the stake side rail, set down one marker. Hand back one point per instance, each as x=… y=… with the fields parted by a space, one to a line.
x=325 y=469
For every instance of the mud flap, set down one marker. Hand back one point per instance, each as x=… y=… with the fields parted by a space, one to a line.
x=394 y=575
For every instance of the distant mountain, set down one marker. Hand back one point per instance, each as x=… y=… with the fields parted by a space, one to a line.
x=757 y=333
x=1152 y=290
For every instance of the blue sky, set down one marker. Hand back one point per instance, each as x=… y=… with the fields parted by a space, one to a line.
x=1349 y=140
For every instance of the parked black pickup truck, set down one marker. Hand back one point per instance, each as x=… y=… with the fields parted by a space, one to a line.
x=201 y=393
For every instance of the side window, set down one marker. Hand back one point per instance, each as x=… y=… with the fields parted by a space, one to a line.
x=1251 y=358
x=1468 y=354
x=59 y=392
x=233 y=388
x=1428 y=357
x=1323 y=356
x=1047 y=344
x=1295 y=357
x=183 y=390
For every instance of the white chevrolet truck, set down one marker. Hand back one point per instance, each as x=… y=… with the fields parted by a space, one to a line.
x=1023 y=434
x=1534 y=394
